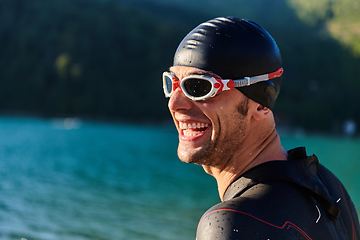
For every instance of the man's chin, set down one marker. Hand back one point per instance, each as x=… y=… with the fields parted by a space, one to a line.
x=185 y=158
x=197 y=156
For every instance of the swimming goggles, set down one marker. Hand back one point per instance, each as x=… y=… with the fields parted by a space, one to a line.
x=201 y=87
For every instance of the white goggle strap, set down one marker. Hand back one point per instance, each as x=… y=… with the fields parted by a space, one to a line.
x=247 y=81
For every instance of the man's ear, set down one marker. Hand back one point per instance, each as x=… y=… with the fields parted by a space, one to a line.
x=261 y=112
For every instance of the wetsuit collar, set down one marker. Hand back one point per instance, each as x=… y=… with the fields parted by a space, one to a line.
x=299 y=170
x=251 y=176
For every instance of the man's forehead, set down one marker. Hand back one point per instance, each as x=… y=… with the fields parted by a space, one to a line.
x=183 y=71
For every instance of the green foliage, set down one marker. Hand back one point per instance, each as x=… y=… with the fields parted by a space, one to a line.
x=340 y=18
x=311 y=11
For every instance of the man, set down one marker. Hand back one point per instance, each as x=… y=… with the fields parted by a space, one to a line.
x=222 y=86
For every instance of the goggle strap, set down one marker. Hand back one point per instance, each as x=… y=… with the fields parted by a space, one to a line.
x=247 y=81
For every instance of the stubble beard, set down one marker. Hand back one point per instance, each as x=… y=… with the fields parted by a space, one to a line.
x=217 y=152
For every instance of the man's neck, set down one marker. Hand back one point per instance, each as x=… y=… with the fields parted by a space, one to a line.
x=270 y=149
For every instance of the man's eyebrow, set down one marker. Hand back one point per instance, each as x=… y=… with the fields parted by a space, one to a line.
x=200 y=72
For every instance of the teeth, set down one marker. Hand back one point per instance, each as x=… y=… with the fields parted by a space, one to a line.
x=185 y=126
x=191 y=133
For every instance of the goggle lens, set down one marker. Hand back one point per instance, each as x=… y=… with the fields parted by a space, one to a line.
x=168 y=84
x=197 y=87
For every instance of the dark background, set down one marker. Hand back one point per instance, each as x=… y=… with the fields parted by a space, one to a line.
x=103 y=59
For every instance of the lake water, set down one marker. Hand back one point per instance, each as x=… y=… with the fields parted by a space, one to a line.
x=72 y=179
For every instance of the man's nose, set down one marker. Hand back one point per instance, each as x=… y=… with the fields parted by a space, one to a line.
x=178 y=101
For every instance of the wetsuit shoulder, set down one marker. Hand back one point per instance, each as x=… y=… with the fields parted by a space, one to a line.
x=348 y=217
x=295 y=199
x=271 y=210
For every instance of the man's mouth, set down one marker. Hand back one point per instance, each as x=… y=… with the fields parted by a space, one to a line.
x=193 y=129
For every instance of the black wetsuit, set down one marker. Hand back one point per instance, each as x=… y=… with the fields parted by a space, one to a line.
x=295 y=199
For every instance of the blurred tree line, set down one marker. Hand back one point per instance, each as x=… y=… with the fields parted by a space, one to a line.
x=79 y=57
x=104 y=58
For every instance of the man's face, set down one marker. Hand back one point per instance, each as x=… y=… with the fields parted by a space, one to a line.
x=210 y=131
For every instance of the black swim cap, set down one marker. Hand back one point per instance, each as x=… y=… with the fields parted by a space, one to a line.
x=234 y=48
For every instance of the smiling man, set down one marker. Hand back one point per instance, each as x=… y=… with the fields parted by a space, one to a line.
x=222 y=87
